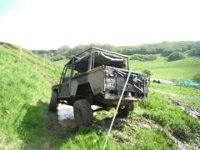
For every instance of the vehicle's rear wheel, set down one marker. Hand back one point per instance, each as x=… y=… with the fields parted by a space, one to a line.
x=83 y=113
x=123 y=112
x=53 y=103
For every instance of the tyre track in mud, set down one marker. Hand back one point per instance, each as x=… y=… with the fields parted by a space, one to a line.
x=194 y=112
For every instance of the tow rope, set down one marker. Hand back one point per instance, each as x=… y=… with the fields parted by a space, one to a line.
x=115 y=114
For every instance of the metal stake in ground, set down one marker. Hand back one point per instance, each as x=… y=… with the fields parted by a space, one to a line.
x=115 y=114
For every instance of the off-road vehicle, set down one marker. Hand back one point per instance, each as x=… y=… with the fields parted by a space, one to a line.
x=97 y=77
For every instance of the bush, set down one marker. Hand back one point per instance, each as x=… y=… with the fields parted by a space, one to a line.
x=195 y=52
x=143 y=57
x=196 y=77
x=147 y=72
x=167 y=52
x=175 y=56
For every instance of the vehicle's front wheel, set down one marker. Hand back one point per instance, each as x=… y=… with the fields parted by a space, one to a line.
x=53 y=103
x=83 y=113
x=123 y=112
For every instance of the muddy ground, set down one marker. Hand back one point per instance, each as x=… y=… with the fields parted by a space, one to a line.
x=66 y=119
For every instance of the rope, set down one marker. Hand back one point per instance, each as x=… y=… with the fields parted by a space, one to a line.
x=115 y=114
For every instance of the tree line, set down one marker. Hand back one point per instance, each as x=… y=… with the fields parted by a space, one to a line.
x=172 y=50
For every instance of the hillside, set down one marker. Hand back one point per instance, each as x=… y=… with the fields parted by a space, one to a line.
x=25 y=84
x=27 y=124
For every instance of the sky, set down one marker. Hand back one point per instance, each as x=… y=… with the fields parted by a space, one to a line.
x=50 y=24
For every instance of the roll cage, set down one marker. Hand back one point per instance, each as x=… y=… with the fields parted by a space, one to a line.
x=92 y=58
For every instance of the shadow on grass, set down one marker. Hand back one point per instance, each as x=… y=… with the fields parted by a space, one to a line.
x=39 y=128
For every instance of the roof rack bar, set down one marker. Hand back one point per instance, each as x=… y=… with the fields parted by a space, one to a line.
x=100 y=49
x=84 y=51
x=103 y=50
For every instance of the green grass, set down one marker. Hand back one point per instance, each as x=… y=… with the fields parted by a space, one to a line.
x=156 y=136
x=23 y=82
x=163 y=69
x=188 y=95
x=176 y=120
x=61 y=62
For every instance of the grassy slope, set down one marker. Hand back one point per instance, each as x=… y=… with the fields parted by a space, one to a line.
x=23 y=83
x=161 y=68
x=25 y=122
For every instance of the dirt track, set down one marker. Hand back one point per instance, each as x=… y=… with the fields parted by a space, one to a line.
x=195 y=112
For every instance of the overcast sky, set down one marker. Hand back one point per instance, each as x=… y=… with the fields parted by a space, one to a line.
x=49 y=24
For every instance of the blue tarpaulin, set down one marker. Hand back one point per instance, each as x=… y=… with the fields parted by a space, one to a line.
x=188 y=83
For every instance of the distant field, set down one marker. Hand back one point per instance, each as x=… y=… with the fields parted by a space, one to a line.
x=161 y=68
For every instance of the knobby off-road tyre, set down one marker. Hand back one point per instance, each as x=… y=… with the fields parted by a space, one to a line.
x=83 y=113
x=124 y=112
x=53 y=103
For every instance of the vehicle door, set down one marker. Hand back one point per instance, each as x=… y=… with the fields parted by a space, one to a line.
x=65 y=81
